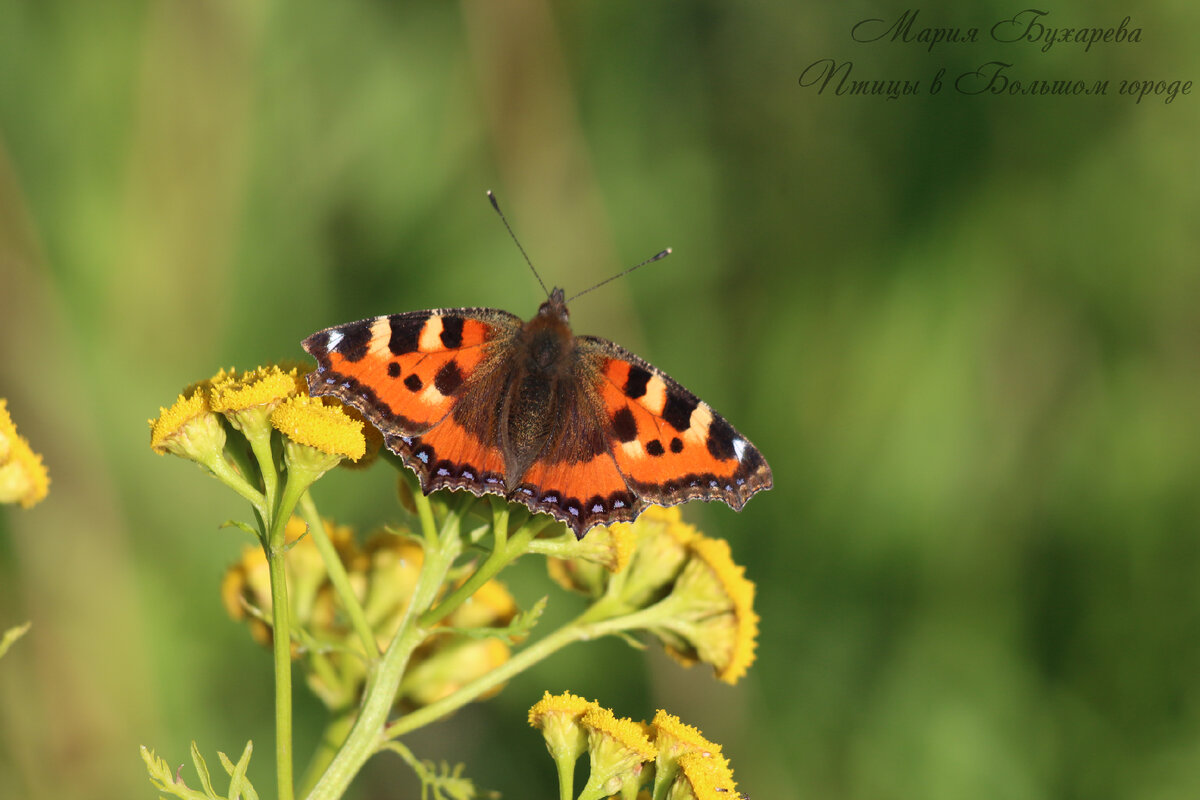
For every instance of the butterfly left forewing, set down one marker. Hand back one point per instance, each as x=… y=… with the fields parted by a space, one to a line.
x=407 y=373
x=669 y=445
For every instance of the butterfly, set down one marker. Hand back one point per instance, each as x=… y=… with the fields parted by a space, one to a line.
x=573 y=426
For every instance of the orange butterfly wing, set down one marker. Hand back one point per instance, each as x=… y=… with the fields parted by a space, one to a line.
x=669 y=445
x=406 y=372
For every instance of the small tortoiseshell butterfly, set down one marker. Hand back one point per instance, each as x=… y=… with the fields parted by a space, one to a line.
x=572 y=426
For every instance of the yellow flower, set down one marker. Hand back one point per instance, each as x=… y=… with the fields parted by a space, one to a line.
x=674 y=739
x=662 y=549
x=617 y=749
x=323 y=427
x=712 y=615
x=372 y=438
x=649 y=551
x=687 y=765
x=588 y=561
x=702 y=777
x=188 y=429
x=559 y=710
x=264 y=386
x=23 y=477
x=558 y=717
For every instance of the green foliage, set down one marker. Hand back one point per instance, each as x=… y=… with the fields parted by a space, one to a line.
x=520 y=627
x=167 y=780
x=438 y=781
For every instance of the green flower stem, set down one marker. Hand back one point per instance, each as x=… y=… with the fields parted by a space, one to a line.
x=566 y=776
x=338 y=576
x=282 y=645
x=424 y=514
x=384 y=678
x=228 y=476
x=331 y=739
x=500 y=515
x=505 y=551
x=297 y=484
x=564 y=546
x=260 y=443
x=597 y=621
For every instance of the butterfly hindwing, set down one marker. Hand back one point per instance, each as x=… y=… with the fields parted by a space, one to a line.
x=669 y=445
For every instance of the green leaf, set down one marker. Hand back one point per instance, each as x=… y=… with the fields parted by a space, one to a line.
x=516 y=630
x=441 y=782
x=238 y=784
x=242 y=526
x=630 y=639
x=202 y=770
x=163 y=778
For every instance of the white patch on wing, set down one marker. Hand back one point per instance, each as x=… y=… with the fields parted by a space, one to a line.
x=655 y=398
x=381 y=338
x=698 y=424
x=431 y=396
x=431 y=336
x=633 y=449
x=335 y=338
x=739 y=448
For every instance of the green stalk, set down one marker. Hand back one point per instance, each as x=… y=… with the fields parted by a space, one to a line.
x=282 y=646
x=276 y=551
x=260 y=444
x=592 y=624
x=228 y=476
x=338 y=576
x=383 y=680
x=506 y=550
x=331 y=739
x=566 y=777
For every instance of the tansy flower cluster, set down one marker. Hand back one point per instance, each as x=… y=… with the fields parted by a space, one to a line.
x=317 y=435
x=692 y=597
x=382 y=574
x=23 y=477
x=666 y=759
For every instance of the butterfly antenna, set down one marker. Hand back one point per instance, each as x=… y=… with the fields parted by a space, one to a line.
x=504 y=219
x=656 y=257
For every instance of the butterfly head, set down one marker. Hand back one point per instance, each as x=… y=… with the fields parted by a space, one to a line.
x=556 y=307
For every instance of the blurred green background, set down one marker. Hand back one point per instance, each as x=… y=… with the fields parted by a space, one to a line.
x=963 y=329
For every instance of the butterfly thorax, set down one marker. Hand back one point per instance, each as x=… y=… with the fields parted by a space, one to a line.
x=538 y=390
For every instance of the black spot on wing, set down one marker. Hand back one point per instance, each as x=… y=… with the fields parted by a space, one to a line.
x=448 y=378
x=678 y=410
x=452 y=328
x=635 y=384
x=720 y=439
x=406 y=333
x=624 y=425
x=655 y=448
x=676 y=445
x=393 y=370
x=355 y=338
x=413 y=383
